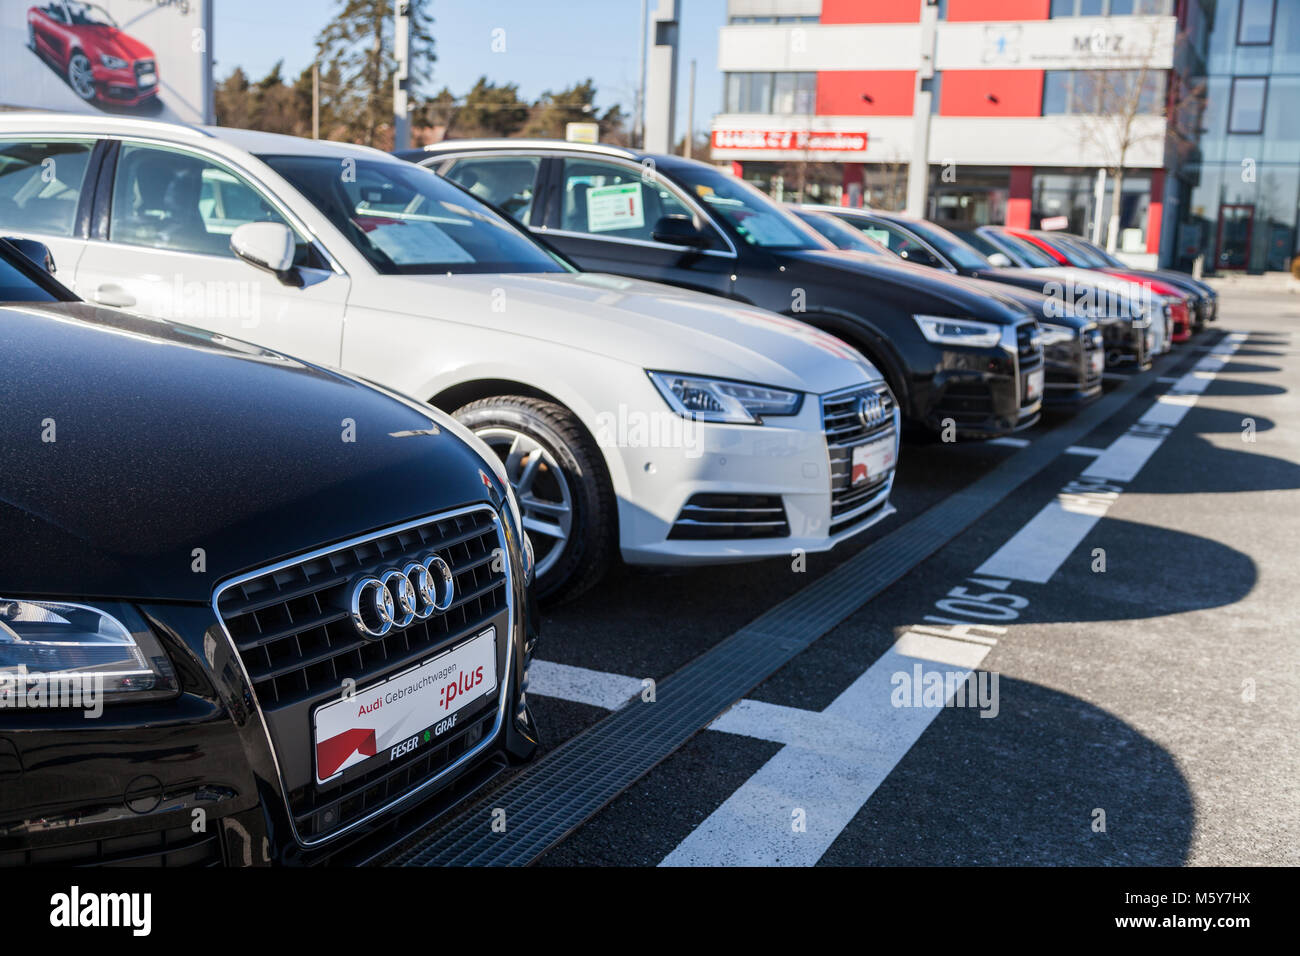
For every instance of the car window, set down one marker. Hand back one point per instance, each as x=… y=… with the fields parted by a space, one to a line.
x=841 y=234
x=617 y=201
x=168 y=199
x=506 y=182
x=405 y=219
x=40 y=185
x=1026 y=250
x=950 y=245
x=897 y=241
x=980 y=242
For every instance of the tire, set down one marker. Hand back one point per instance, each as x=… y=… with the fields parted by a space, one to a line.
x=81 y=76
x=567 y=470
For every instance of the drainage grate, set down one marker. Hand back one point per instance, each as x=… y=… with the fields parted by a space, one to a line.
x=559 y=793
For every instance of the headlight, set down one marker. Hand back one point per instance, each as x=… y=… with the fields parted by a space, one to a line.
x=106 y=650
x=112 y=62
x=718 y=400
x=967 y=332
x=1055 y=334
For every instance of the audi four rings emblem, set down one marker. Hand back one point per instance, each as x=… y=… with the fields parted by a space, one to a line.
x=871 y=410
x=380 y=602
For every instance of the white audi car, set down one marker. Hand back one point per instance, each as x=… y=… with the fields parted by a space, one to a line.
x=676 y=427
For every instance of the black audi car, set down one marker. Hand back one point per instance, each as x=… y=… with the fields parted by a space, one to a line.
x=1124 y=322
x=252 y=611
x=950 y=352
x=1074 y=354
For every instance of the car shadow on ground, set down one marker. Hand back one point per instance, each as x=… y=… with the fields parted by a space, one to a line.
x=1205 y=467
x=1050 y=781
x=1149 y=572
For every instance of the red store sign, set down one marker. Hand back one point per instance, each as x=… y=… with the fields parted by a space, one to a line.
x=789 y=139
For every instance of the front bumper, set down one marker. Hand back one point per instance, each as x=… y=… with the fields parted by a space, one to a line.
x=1074 y=370
x=129 y=86
x=215 y=776
x=984 y=392
x=744 y=492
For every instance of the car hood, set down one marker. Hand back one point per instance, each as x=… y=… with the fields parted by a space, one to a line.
x=641 y=323
x=114 y=42
x=927 y=290
x=132 y=446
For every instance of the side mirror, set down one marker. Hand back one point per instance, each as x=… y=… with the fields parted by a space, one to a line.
x=1000 y=260
x=679 y=231
x=269 y=246
x=38 y=252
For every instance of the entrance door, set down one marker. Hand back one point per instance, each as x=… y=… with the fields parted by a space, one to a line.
x=1236 y=223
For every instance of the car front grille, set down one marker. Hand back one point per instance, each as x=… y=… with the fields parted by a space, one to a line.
x=845 y=429
x=294 y=635
x=708 y=516
x=1092 y=344
x=1029 y=356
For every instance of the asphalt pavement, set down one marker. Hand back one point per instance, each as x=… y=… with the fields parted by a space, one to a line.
x=1102 y=669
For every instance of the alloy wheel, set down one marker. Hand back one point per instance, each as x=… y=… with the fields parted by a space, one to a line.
x=542 y=488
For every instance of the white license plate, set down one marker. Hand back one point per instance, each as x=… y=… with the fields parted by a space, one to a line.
x=406 y=712
x=1034 y=385
x=872 y=460
x=1097 y=362
x=148 y=79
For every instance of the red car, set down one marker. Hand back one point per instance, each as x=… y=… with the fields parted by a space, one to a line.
x=100 y=62
x=1180 y=314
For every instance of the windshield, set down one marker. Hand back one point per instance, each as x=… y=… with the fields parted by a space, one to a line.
x=1096 y=252
x=843 y=237
x=1026 y=250
x=750 y=215
x=407 y=221
x=15 y=284
x=90 y=15
x=1076 y=251
x=957 y=251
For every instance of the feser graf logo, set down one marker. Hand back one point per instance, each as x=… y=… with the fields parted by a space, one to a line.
x=789 y=139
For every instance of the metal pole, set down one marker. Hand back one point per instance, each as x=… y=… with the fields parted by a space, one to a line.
x=690 y=115
x=401 y=78
x=315 y=101
x=639 y=131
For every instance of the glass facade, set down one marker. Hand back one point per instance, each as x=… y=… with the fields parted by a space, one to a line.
x=1234 y=201
x=782 y=93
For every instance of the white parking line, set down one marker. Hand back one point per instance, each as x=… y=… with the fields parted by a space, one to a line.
x=1009 y=442
x=1037 y=551
x=795 y=806
x=581 y=685
x=1082 y=450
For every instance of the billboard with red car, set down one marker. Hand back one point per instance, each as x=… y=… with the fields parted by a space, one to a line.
x=134 y=57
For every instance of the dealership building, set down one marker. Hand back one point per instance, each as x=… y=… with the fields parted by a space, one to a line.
x=987 y=111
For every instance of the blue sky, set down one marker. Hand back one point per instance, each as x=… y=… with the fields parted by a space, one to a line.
x=549 y=45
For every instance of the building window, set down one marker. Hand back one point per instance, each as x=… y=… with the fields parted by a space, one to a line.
x=1255 y=22
x=1101 y=91
x=746 y=21
x=1109 y=8
x=1246 y=107
x=771 y=93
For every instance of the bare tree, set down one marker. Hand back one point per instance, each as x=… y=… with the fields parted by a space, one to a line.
x=1114 y=106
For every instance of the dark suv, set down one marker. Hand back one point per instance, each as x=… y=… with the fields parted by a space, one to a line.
x=252 y=611
x=951 y=352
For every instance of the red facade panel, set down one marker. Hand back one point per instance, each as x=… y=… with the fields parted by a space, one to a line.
x=865 y=92
x=871 y=11
x=999 y=9
x=1020 y=198
x=991 y=93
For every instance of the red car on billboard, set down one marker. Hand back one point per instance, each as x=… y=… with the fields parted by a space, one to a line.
x=101 y=63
